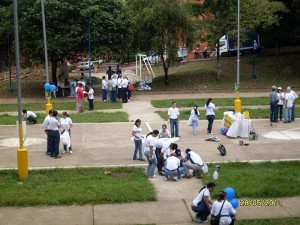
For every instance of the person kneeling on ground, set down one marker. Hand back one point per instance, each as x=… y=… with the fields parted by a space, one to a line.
x=194 y=162
x=202 y=203
x=30 y=116
x=172 y=167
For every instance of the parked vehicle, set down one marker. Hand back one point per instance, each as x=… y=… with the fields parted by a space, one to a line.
x=85 y=63
x=228 y=46
x=154 y=58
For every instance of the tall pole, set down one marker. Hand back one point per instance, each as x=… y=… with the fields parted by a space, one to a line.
x=237 y=101
x=48 y=104
x=9 y=62
x=22 y=152
x=90 y=58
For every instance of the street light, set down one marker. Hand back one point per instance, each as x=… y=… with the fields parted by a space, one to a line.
x=237 y=101
x=254 y=52
x=22 y=152
x=48 y=104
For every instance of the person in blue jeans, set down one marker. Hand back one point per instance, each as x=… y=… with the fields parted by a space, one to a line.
x=195 y=119
x=210 y=114
x=173 y=168
x=273 y=105
x=149 y=152
x=173 y=113
x=201 y=205
x=137 y=137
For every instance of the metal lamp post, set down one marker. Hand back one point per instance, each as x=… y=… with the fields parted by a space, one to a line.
x=237 y=101
x=22 y=152
x=48 y=104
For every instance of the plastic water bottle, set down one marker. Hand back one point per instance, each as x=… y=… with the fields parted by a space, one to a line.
x=216 y=175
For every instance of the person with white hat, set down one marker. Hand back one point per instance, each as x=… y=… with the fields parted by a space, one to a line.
x=280 y=103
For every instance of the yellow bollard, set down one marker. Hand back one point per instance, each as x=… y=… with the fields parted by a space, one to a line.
x=22 y=154
x=48 y=106
x=237 y=103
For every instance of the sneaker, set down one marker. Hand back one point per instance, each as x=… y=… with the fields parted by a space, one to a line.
x=166 y=178
x=161 y=173
x=64 y=152
x=152 y=176
x=48 y=153
x=175 y=178
x=71 y=152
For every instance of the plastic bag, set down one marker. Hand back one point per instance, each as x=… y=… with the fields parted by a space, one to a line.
x=190 y=121
x=65 y=138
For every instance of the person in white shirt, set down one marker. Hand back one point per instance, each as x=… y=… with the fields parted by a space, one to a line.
x=149 y=152
x=288 y=105
x=280 y=102
x=194 y=162
x=173 y=167
x=168 y=149
x=30 y=116
x=91 y=98
x=293 y=108
x=114 y=88
x=201 y=205
x=66 y=125
x=119 y=82
x=137 y=134
x=164 y=132
x=173 y=114
x=210 y=114
x=225 y=208
x=46 y=129
x=124 y=90
x=104 y=89
x=161 y=143
x=195 y=119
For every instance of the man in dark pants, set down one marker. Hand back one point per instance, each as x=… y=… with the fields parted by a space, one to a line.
x=273 y=105
x=47 y=129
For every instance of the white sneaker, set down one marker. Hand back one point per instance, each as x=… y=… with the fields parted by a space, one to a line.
x=166 y=178
x=64 y=152
x=70 y=151
x=175 y=178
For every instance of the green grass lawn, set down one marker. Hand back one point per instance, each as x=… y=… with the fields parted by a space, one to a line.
x=75 y=186
x=262 y=180
x=283 y=221
x=217 y=101
x=184 y=114
x=91 y=117
x=61 y=105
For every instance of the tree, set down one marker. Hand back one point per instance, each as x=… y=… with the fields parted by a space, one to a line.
x=67 y=25
x=255 y=15
x=166 y=24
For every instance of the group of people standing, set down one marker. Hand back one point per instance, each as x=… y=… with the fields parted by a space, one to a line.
x=116 y=85
x=52 y=126
x=166 y=156
x=279 y=101
x=174 y=113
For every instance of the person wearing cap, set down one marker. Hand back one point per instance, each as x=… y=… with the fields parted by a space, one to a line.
x=193 y=162
x=280 y=101
x=172 y=166
x=273 y=105
x=293 y=108
x=288 y=105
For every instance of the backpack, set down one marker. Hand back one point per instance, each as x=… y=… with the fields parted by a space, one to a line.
x=215 y=220
x=130 y=87
x=222 y=149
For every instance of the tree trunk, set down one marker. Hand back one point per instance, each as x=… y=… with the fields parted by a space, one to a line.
x=166 y=70
x=54 y=68
x=218 y=63
x=277 y=48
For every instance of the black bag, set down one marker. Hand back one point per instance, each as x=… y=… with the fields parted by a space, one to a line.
x=222 y=149
x=215 y=220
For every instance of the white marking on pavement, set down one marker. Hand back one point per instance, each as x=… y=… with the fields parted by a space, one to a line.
x=14 y=142
x=149 y=128
x=283 y=135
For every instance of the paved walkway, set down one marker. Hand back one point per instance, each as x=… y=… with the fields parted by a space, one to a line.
x=174 y=198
